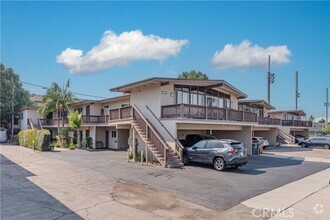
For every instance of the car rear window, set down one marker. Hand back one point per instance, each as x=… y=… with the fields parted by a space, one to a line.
x=237 y=145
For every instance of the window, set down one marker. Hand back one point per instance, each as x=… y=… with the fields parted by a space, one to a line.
x=88 y=110
x=221 y=102
x=22 y=116
x=102 y=111
x=212 y=101
x=16 y=121
x=200 y=144
x=124 y=105
x=106 y=106
x=113 y=134
x=227 y=103
x=214 y=144
x=194 y=99
x=87 y=133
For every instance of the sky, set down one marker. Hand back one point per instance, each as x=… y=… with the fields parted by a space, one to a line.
x=101 y=45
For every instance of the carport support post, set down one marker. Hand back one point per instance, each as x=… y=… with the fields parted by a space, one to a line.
x=94 y=138
x=134 y=145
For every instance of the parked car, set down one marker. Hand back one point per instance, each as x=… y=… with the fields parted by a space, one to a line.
x=261 y=141
x=323 y=141
x=298 y=138
x=220 y=153
x=192 y=139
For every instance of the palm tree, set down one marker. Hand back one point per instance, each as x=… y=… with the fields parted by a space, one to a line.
x=75 y=122
x=57 y=99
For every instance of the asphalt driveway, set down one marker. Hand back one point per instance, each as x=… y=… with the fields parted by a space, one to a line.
x=199 y=184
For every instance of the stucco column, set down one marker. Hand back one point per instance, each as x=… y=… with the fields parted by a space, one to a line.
x=94 y=137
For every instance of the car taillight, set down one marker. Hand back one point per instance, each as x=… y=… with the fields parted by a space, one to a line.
x=232 y=151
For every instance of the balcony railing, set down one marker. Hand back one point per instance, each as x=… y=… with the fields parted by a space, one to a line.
x=204 y=112
x=94 y=119
x=120 y=113
x=296 y=123
x=269 y=121
x=53 y=121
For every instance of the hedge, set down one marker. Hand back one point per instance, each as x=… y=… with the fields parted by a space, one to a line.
x=35 y=139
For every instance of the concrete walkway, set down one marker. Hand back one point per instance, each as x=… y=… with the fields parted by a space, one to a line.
x=308 y=198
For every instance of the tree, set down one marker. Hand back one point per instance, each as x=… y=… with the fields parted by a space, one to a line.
x=75 y=122
x=311 y=118
x=12 y=95
x=326 y=130
x=193 y=75
x=57 y=99
x=322 y=120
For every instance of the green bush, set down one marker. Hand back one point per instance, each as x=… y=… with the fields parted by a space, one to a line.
x=138 y=157
x=88 y=142
x=35 y=139
x=43 y=140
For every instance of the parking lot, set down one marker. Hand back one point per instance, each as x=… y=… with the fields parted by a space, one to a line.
x=198 y=184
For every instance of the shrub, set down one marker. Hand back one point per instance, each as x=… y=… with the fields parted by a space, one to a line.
x=138 y=157
x=35 y=139
x=43 y=139
x=72 y=144
x=88 y=142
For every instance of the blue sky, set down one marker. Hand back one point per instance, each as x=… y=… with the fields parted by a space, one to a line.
x=33 y=34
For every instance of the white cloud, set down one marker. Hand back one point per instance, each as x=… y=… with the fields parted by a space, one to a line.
x=119 y=50
x=245 y=55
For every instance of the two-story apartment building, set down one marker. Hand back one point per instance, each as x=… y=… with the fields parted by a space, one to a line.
x=153 y=114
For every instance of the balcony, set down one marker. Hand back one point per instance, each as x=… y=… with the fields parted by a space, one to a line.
x=205 y=112
x=120 y=113
x=94 y=119
x=269 y=121
x=53 y=121
x=296 y=123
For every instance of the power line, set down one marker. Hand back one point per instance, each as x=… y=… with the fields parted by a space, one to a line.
x=76 y=93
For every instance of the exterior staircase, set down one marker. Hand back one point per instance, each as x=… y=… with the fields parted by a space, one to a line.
x=155 y=141
x=284 y=138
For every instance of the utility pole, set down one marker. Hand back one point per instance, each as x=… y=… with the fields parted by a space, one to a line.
x=297 y=91
x=270 y=79
x=326 y=104
x=12 y=107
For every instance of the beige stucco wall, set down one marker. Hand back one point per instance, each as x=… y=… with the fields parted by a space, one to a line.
x=269 y=135
x=244 y=135
x=234 y=101
x=123 y=135
x=31 y=114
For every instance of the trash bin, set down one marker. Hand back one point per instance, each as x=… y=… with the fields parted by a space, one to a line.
x=255 y=149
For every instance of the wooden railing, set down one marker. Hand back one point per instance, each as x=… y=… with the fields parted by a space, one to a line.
x=178 y=147
x=205 y=112
x=151 y=133
x=53 y=121
x=296 y=123
x=120 y=113
x=269 y=121
x=96 y=119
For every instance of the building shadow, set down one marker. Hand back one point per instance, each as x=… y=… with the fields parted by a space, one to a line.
x=22 y=199
x=257 y=164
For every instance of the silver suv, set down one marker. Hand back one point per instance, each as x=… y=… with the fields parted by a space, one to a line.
x=221 y=153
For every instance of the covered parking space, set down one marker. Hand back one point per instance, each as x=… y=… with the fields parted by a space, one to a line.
x=268 y=132
x=241 y=133
x=299 y=131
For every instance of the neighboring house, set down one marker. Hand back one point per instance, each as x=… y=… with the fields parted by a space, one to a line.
x=317 y=129
x=154 y=113
x=29 y=115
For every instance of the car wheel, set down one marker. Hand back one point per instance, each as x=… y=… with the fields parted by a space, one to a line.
x=185 y=159
x=326 y=146
x=219 y=164
x=303 y=145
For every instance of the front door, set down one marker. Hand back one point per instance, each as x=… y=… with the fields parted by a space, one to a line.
x=107 y=139
x=113 y=139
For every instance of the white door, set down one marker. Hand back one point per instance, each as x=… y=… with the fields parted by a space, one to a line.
x=113 y=139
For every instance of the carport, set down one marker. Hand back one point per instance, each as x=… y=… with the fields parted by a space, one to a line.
x=221 y=131
x=300 y=131
x=268 y=133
